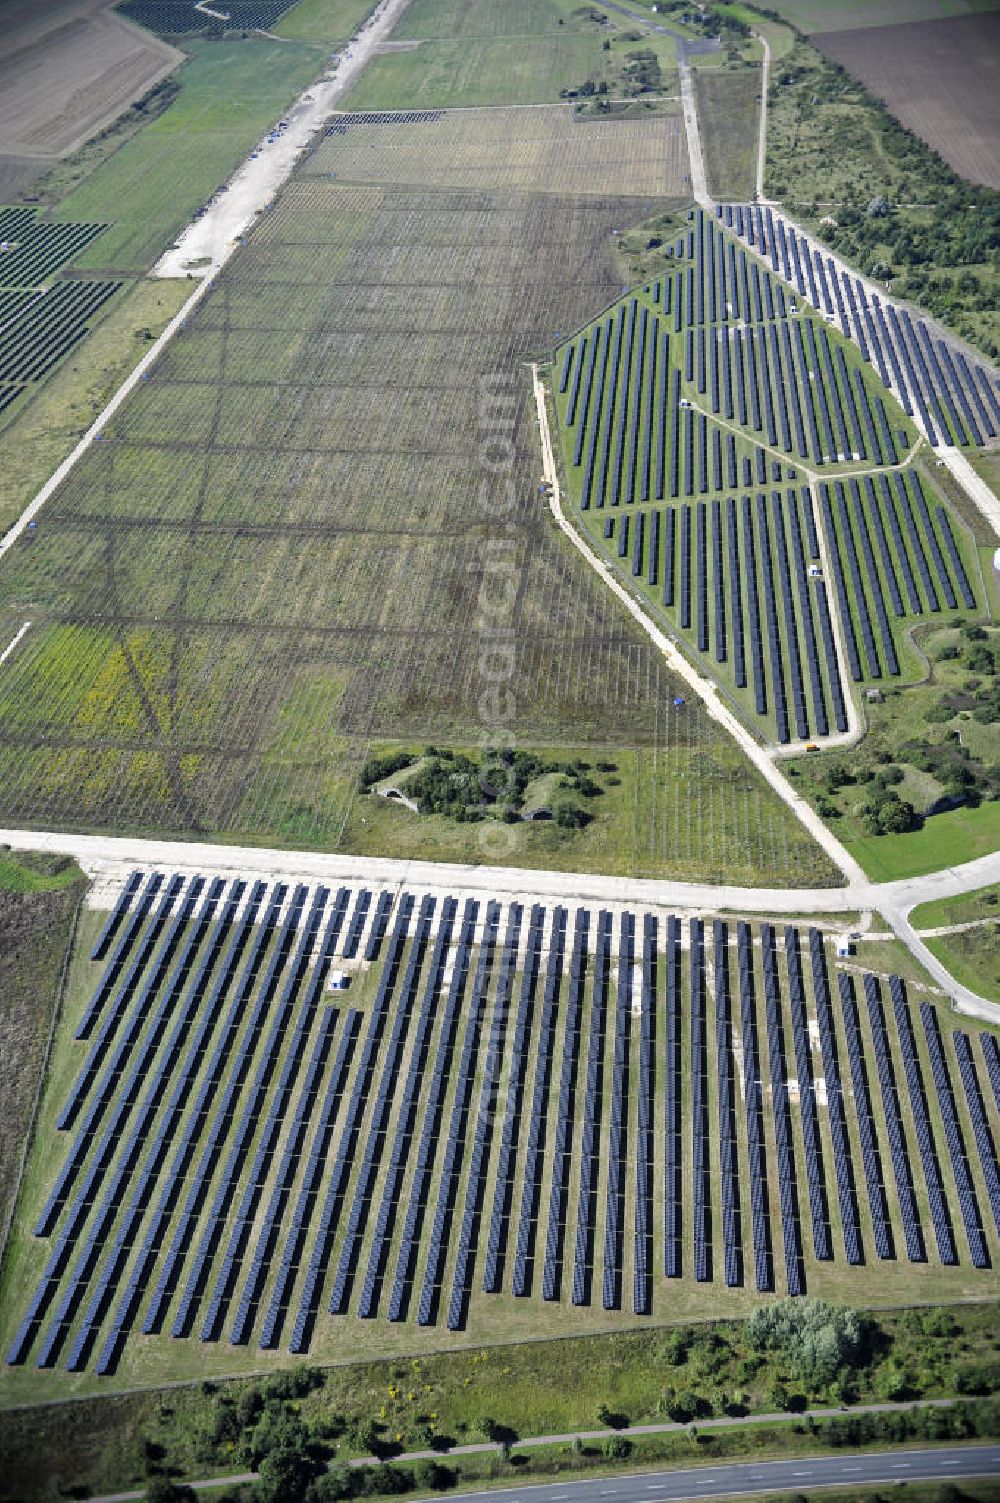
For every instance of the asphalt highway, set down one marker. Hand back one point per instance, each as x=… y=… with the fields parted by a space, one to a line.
x=743 y=1478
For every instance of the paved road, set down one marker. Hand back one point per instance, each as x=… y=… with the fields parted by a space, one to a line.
x=740 y=1478
x=897 y=916
x=103 y=855
x=734 y=1479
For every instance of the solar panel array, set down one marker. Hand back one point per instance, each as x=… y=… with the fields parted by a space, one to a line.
x=882 y=531
x=507 y=1104
x=714 y=341
x=686 y=410
x=894 y=1119
x=175 y=17
x=42 y=319
x=957 y=397
x=736 y=577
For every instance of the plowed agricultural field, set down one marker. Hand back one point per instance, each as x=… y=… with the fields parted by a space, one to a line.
x=939 y=78
x=317 y=526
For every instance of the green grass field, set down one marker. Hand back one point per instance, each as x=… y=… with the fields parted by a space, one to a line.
x=480 y=71
x=323 y=21
x=31 y=871
x=230 y=93
x=666 y=811
x=728 y=114
x=972 y=955
x=973 y=958
x=535 y=1387
x=967 y=908
x=444 y=53
x=944 y=840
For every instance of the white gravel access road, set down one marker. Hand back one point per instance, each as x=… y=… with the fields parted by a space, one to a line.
x=104 y=855
x=209 y=242
x=765 y=74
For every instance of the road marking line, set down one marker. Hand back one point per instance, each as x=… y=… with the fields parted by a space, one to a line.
x=13 y=642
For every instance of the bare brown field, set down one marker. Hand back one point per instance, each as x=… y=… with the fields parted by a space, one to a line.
x=67 y=70
x=939 y=78
x=812 y=16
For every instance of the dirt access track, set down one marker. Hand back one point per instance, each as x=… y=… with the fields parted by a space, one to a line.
x=67 y=69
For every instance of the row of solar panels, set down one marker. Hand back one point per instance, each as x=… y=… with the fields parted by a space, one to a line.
x=732 y=1240
x=856 y=527
x=754 y=1106
x=780 y=1105
x=273 y=956
x=746 y=554
x=957 y=397
x=723 y=281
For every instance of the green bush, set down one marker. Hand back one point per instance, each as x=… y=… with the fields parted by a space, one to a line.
x=984 y=1379
x=374 y=769
x=569 y=816
x=817 y=1340
x=433 y=1477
